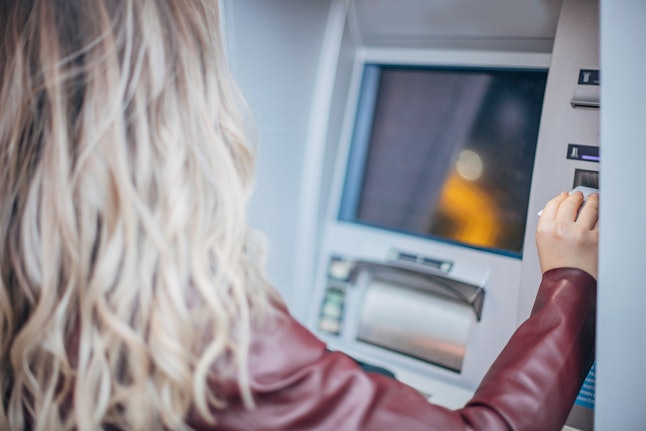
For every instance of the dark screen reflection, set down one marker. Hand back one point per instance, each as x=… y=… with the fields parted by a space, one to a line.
x=449 y=154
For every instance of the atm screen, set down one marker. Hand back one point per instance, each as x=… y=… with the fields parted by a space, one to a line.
x=445 y=153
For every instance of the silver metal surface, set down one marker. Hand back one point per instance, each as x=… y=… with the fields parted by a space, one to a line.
x=586 y=96
x=417 y=323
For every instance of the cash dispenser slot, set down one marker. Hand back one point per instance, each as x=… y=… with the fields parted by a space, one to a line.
x=416 y=313
x=425 y=280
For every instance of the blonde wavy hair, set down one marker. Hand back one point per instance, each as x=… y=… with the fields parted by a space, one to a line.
x=128 y=275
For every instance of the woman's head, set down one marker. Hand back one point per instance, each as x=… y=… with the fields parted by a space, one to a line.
x=126 y=267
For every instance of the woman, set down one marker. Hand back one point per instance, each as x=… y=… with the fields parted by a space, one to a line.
x=132 y=294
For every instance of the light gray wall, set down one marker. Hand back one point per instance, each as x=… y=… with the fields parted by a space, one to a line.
x=274 y=48
x=621 y=334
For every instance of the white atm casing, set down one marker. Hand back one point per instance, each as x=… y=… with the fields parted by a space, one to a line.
x=498 y=275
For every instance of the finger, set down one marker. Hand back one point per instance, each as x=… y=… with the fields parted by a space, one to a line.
x=569 y=208
x=551 y=208
x=590 y=213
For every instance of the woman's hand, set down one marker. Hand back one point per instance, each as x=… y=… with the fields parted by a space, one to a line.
x=567 y=240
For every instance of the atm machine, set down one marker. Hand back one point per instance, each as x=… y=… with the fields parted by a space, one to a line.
x=438 y=157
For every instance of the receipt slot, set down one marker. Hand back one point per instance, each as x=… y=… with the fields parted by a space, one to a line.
x=587 y=94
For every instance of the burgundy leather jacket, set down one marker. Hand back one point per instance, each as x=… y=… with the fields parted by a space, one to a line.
x=299 y=385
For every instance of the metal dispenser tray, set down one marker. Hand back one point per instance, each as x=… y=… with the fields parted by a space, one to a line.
x=418 y=313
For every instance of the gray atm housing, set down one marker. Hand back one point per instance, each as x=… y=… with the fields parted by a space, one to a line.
x=354 y=314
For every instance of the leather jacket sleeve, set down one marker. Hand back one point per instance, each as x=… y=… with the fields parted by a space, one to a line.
x=299 y=385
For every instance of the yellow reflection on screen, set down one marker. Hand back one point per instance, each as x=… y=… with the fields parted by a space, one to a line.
x=467 y=213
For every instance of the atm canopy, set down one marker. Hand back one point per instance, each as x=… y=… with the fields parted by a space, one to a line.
x=425 y=22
